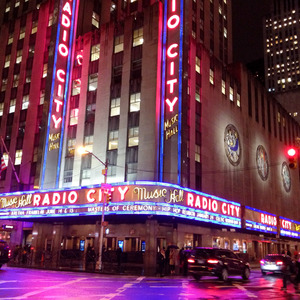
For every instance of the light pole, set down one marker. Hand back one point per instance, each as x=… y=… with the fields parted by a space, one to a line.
x=82 y=150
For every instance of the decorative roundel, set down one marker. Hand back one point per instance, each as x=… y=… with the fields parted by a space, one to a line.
x=232 y=145
x=262 y=162
x=286 y=177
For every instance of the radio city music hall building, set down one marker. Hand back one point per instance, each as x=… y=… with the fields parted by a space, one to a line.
x=196 y=148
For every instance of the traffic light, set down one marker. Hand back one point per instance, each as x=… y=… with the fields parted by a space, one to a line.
x=108 y=195
x=293 y=156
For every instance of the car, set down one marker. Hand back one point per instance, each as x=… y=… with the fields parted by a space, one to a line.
x=218 y=262
x=275 y=263
x=5 y=253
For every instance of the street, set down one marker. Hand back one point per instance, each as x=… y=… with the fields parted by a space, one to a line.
x=22 y=283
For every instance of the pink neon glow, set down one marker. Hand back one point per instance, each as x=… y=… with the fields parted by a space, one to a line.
x=65 y=35
x=54 y=199
x=59 y=75
x=67 y=8
x=173 y=22
x=90 y=194
x=172 y=67
x=60 y=90
x=171 y=83
x=171 y=103
x=56 y=121
x=286 y=224
x=173 y=5
x=123 y=191
x=65 y=21
x=79 y=58
x=170 y=52
x=63 y=50
x=59 y=104
x=267 y=219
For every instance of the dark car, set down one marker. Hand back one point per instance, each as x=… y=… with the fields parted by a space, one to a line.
x=5 y=253
x=276 y=263
x=216 y=262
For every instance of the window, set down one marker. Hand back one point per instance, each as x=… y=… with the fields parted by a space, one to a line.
x=86 y=166
x=16 y=80
x=31 y=51
x=10 y=38
x=74 y=116
x=45 y=69
x=95 y=19
x=93 y=79
x=113 y=140
x=119 y=44
x=12 y=105
x=22 y=33
x=238 y=100
x=223 y=87
x=28 y=76
x=50 y=20
x=76 y=84
x=197 y=153
x=197 y=64
x=7 y=7
x=25 y=102
x=34 y=27
x=135 y=102
x=230 y=93
x=18 y=158
x=68 y=172
x=133 y=137
x=42 y=97
x=95 y=52
x=17 y=3
x=115 y=107
x=211 y=76
x=1 y=109
x=7 y=61
x=138 y=37
x=71 y=146
x=4 y=84
x=197 y=94
x=19 y=56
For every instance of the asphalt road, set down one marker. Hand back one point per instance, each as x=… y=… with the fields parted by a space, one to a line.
x=21 y=283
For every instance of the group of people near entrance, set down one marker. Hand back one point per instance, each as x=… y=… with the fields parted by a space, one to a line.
x=291 y=272
x=171 y=261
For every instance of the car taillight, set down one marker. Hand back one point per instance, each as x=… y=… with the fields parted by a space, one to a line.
x=212 y=261
x=191 y=260
x=262 y=262
x=9 y=253
x=279 y=263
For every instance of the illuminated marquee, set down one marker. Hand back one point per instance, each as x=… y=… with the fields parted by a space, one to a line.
x=59 y=90
x=156 y=198
x=260 y=221
x=289 y=228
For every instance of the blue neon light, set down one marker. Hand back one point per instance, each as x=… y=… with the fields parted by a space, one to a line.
x=261 y=225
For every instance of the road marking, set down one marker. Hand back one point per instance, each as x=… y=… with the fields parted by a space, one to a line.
x=7 y=281
x=249 y=294
x=122 y=288
x=33 y=293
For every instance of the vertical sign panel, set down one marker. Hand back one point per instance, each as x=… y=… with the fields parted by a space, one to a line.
x=171 y=92
x=65 y=37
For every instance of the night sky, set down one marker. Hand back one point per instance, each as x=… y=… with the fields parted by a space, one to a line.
x=248 y=29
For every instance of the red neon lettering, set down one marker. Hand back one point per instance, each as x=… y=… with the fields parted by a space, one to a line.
x=56 y=121
x=172 y=64
x=214 y=205
x=46 y=200
x=67 y=8
x=173 y=21
x=198 y=202
x=56 y=198
x=170 y=52
x=123 y=191
x=79 y=58
x=59 y=103
x=223 y=208
x=89 y=195
x=65 y=35
x=190 y=199
x=171 y=103
x=72 y=197
x=59 y=75
x=65 y=21
x=64 y=197
x=171 y=83
x=173 y=5
x=36 y=199
x=60 y=90
x=63 y=50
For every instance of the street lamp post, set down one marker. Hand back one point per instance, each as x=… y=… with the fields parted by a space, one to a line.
x=104 y=172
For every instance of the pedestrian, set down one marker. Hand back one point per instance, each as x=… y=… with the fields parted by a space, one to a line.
x=161 y=262
x=181 y=260
x=287 y=271
x=297 y=272
x=119 y=257
x=16 y=254
x=167 y=260
x=172 y=260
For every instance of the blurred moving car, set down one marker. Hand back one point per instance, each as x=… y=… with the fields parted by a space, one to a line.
x=5 y=253
x=216 y=262
x=275 y=263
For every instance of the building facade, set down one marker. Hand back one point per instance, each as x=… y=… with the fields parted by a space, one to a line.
x=195 y=148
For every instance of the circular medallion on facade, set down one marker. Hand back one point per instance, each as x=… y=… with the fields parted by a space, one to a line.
x=286 y=176
x=262 y=162
x=232 y=145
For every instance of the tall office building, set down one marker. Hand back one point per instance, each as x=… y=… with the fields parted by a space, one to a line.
x=192 y=147
x=281 y=53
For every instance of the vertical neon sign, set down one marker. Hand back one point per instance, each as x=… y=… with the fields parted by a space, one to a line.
x=66 y=30
x=170 y=151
